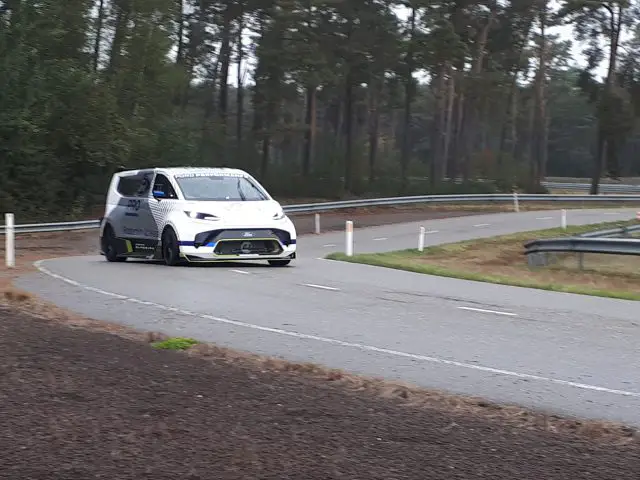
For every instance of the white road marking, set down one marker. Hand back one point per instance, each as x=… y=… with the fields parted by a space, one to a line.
x=482 y=225
x=482 y=310
x=612 y=213
x=544 y=218
x=380 y=239
x=321 y=287
x=358 y=346
x=241 y=271
x=329 y=245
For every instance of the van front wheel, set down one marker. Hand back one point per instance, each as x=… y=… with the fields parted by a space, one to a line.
x=170 y=248
x=279 y=263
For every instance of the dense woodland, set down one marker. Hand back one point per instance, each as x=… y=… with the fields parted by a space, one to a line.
x=316 y=98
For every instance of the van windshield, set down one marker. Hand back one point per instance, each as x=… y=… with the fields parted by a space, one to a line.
x=222 y=188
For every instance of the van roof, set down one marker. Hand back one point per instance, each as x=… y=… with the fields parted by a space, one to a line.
x=173 y=171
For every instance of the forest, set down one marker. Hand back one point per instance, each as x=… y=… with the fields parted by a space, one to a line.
x=315 y=98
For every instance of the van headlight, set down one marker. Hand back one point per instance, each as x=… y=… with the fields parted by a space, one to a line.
x=201 y=216
x=279 y=215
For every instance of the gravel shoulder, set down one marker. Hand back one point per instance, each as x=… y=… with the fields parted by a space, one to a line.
x=80 y=404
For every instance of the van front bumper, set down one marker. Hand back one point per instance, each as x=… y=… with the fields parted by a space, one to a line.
x=239 y=244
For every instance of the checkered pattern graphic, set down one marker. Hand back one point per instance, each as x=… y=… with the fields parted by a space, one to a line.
x=161 y=210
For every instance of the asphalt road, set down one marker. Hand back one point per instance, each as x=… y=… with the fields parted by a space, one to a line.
x=568 y=354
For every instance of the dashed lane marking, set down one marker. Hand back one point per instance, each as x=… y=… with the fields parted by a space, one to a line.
x=354 y=345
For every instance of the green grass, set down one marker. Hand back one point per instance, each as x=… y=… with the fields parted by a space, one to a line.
x=175 y=343
x=464 y=259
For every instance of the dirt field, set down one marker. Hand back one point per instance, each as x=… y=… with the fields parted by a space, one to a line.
x=78 y=404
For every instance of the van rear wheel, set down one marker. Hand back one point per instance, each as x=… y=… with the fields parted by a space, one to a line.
x=109 y=246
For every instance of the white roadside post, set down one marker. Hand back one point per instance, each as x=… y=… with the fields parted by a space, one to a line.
x=563 y=219
x=421 y=239
x=317 y=219
x=516 y=204
x=9 y=235
x=348 y=250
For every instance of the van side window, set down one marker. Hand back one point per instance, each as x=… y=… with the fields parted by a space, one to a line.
x=134 y=185
x=162 y=184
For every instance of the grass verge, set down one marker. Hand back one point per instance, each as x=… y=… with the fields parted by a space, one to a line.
x=501 y=260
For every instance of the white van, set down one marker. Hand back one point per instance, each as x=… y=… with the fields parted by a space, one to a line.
x=194 y=215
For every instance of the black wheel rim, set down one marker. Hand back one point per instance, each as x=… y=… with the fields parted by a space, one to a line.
x=168 y=249
x=109 y=244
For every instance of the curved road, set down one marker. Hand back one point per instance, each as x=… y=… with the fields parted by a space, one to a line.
x=565 y=353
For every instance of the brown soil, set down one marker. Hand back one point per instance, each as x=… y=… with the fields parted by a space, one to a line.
x=80 y=404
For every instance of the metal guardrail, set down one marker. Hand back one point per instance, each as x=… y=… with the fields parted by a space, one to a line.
x=54 y=227
x=577 y=186
x=372 y=202
x=612 y=232
x=585 y=187
x=470 y=198
x=598 y=241
x=612 y=246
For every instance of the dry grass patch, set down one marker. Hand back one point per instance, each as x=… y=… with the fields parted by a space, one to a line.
x=501 y=260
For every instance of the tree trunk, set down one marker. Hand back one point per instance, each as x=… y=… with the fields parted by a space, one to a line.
x=240 y=89
x=539 y=146
x=98 y=39
x=457 y=145
x=528 y=151
x=507 y=123
x=471 y=114
x=310 y=130
x=209 y=106
x=408 y=102
x=264 y=160
x=449 y=125
x=225 y=62
x=439 y=125
x=348 y=120
x=180 y=41
x=122 y=20
x=615 y=28
x=544 y=159
x=374 y=128
x=513 y=115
